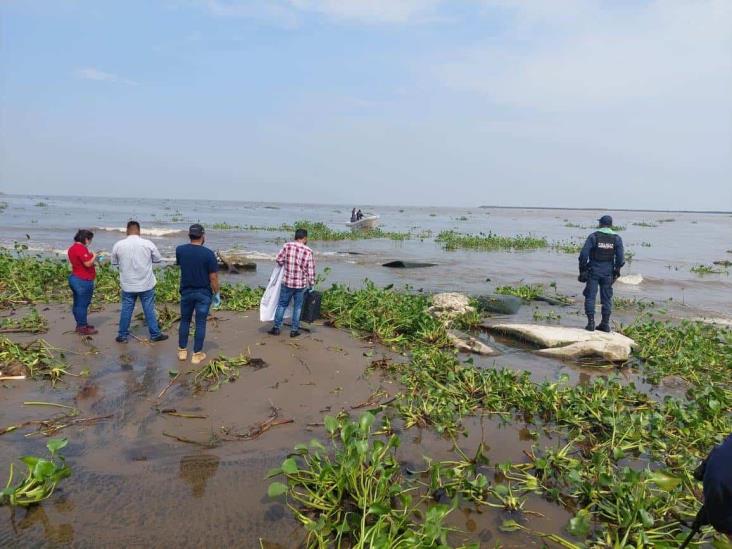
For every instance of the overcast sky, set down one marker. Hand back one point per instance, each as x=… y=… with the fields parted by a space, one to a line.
x=616 y=103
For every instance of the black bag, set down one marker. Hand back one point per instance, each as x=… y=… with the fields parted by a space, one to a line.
x=311 y=306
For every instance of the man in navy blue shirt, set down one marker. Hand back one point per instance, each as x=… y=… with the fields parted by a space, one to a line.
x=199 y=289
x=600 y=261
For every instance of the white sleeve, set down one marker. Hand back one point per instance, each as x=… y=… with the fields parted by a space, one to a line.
x=155 y=253
x=115 y=254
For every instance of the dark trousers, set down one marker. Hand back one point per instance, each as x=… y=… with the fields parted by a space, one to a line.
x=82 y=290
x=605 y=285
x=190 y=301
x=286 y=294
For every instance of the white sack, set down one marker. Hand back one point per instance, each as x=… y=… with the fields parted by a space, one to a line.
x=268 y=305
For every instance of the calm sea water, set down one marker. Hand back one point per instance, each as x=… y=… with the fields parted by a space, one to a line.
x=663 y=254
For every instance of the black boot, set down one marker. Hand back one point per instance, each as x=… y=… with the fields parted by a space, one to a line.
x=590 y=323
x=604 y=326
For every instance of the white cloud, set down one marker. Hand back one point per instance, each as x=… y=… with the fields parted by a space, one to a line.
x=288 y=12
x=592 y=57
x=90 y=73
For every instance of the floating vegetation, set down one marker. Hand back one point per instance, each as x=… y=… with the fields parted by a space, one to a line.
x=644 y=224
x=452 y=240
x=600 y=425
x=527 y=292
x=42 y=477
x=536 y=292
x=3 y=206
x=699 y=352
x=573 y=225
x=702 y=270
x=36 y=359
x=221 y=369
x=320 y=231
x=723 y=263
x=627 y=303
x=568 y=247
x=667 y=220
x=27 y=279
x=32 y=323
x=358 y=497
x=41 y=205
x=546 y=316
x=646 y=244
x=225 y=227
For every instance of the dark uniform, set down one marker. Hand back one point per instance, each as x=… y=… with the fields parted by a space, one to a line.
x=718 y=487
x=600 y=261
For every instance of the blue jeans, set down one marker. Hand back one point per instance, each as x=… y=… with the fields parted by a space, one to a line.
x=200 y=302
x=83 y=290
x=605 y=284
x=286 y=294
x=148 y=307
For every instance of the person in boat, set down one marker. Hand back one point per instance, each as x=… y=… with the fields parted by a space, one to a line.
x=600 y=262
x=354 y=218
x=359 y=215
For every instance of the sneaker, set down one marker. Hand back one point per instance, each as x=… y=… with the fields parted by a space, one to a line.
x=161 y=337
x=274 y=331
x=86 y=331
x=197 y=358
x=120 y=339
x=182 y=354
x=294 y=333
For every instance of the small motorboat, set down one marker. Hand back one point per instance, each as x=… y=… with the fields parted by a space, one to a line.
x=366 y=222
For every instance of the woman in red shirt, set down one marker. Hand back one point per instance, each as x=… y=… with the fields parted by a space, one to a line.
x=81 y=279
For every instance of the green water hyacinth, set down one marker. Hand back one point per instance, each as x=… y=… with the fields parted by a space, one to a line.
x=42 y=477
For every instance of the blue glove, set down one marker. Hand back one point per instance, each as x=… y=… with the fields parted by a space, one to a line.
x=216 y=301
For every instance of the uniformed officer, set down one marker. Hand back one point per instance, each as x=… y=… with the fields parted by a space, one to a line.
x=600 y=261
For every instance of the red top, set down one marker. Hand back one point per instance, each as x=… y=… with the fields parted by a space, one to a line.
x=297 y=259
x=78 y=253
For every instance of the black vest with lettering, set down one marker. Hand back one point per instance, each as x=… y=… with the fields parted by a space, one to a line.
x=604 y=249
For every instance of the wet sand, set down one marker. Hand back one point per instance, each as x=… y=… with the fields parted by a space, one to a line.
x=133 y=486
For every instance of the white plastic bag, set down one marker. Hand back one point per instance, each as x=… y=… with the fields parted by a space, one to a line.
x=268 y=304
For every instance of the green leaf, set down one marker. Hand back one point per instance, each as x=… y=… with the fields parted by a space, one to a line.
x=273 y=472
x=289 y=466
x=172 y=373
x=378 y=509
x=30 y=461
x=646 y=518
x=55 y=444
x=579 y=526
x=510 y=525
x=664 y=480
x=331 y=424
x=276 y=489
x=366 y=421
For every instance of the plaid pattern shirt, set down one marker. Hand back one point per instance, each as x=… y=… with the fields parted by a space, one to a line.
x=297 y=259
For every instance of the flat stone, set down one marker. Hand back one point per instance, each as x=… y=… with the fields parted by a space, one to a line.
x=632 y=279
x=557 y=336
x=569 y=342
x=469 y=344
x=613 y=352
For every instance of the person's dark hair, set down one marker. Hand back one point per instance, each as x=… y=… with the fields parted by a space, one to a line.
x=300 y=234
x=134 y=224
x=83 y=235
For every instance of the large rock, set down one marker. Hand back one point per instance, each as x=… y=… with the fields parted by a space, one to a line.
x=450 y=305
x=631 y=279
x=469 y=344
x=573 y=342
x=235 y=261
x=613 y=352
x=501 y=304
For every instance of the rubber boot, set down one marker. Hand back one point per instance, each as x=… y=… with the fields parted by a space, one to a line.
x=590 y=323
x=604 y=326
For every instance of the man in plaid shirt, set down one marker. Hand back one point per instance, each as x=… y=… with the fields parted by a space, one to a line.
x=297 y=260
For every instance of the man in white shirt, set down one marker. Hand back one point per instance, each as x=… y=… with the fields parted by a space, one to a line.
x=134 y=256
